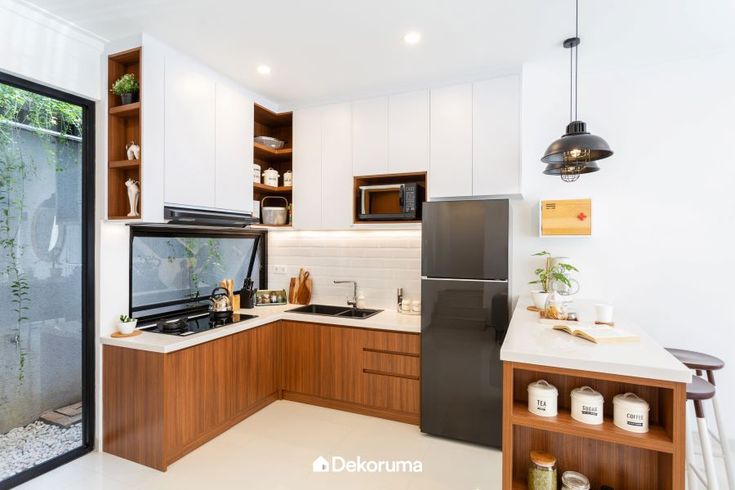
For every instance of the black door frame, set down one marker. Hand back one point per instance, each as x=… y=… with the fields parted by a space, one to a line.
x=88 y=278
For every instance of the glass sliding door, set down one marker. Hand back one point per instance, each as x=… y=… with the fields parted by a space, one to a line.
x=46 y=278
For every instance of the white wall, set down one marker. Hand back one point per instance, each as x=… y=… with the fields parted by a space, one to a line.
x=45 y=49
x=380 y=262
x=663 y=213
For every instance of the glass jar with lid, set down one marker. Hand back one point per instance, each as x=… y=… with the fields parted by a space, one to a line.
x=542 y=471
x=556 y=307
x=571 y=480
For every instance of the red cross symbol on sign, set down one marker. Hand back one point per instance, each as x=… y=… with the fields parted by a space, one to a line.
x=581 y=216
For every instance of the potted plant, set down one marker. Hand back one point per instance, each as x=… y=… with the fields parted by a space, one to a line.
x=127 y=325
x=547 y=275
x=126 y=87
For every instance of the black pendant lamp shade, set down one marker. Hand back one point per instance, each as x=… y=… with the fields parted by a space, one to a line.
x=576 y=145
x=577 y=151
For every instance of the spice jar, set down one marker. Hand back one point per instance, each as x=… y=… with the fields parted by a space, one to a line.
x=571 y=480
x=542 y=471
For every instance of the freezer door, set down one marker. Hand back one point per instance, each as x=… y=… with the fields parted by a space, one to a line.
x=465 y=239
x=463 y=324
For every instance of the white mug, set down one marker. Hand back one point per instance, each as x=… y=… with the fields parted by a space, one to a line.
x=603 y=313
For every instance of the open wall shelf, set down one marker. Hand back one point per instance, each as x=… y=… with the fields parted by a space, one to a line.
x=278 y=126
x=123 y=126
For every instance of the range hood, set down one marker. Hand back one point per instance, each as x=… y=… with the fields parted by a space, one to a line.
x=207 y=217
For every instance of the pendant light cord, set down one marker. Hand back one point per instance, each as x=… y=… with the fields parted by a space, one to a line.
x=576 y=59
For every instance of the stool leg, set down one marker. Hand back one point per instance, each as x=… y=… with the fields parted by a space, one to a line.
x=692 y=483
x=722 y=435
x=709 y=460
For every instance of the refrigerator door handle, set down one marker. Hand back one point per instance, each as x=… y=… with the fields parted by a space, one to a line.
x=427 y=278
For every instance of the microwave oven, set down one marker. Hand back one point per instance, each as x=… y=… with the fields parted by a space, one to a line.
x=390 y=202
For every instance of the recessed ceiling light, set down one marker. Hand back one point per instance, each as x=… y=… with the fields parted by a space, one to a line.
x=264 y=69
x=412 y=37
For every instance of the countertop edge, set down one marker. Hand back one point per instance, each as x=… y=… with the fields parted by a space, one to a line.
x=176 y=344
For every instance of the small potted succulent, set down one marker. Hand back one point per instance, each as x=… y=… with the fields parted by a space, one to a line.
x=127 y=325
x=126 y=87
x=545 y=277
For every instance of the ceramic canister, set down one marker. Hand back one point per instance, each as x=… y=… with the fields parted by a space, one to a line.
x=270 y=177
x=542 y=398
x=587 y=405
x=287 y=178
x=630 y=412
x=256 y=173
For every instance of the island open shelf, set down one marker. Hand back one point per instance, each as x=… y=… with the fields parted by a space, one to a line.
x=604 y=453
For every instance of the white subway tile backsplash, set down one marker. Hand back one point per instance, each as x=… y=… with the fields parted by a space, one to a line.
x=380 y=261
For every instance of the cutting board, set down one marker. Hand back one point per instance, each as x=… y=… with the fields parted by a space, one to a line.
x=299 y=288
x=303 y=294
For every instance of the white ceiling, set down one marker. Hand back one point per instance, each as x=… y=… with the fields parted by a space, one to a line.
x=325 y=50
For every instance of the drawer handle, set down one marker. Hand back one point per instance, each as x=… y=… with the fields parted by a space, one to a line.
x=393 y=375
x=391 y=352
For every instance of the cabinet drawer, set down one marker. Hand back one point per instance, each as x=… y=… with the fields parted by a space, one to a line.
x=391 y=364
x=393 y=342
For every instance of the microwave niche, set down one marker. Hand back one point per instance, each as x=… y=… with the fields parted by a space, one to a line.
x=390 y=202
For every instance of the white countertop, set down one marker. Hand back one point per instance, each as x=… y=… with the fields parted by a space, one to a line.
x=156 y=342
x=529 y=341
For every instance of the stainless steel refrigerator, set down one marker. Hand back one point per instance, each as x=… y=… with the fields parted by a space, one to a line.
x=464 y=317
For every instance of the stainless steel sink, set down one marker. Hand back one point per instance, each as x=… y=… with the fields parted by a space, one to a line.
x=336 y=311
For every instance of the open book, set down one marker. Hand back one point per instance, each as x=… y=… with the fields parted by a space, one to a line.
x=599 y=334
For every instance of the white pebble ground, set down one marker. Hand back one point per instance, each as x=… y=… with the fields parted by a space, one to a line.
x=24 y=447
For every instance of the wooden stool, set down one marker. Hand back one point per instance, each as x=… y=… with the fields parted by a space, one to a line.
x=700 y=362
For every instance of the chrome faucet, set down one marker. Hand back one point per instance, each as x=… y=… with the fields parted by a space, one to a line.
x=351 y=302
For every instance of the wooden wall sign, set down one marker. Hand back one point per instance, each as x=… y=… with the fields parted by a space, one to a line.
x=568 y=217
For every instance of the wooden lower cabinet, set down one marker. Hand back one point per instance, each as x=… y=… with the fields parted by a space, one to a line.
x=373 y=372
x=159 y=407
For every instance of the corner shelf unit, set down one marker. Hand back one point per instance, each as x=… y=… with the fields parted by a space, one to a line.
x=606 y=454
x=123 y=126
x=279 y=126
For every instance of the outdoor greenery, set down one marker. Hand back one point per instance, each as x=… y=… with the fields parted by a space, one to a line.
x=546 y=275
x=126 y=84
x=45 y=116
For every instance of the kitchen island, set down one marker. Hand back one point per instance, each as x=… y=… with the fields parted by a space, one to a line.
x=166 y=395
x=606 y=454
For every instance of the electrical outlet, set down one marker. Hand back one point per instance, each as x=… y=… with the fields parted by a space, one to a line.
x=279 y=269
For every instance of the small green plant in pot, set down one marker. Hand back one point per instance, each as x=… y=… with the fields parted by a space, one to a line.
x=127 y=325
x=549 y=274
x=126 y=87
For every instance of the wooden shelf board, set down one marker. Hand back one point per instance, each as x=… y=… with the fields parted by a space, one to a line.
x=126 y=57
x=123 y=218
x=272 y=119
x=269 y=188
x=267 y=153
x=127 y=110
x=655 y=440
x=124 y=163
x=280 y=227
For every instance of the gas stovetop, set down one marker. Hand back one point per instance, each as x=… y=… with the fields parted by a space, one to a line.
x=189 y=325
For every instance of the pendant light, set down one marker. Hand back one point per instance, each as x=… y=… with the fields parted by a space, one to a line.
x=577 y=151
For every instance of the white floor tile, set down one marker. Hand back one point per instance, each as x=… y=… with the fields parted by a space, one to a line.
x=275 y=448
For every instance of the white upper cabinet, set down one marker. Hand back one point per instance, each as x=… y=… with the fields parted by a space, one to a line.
x=234 y=150
x=337 y=184
x=190 y=134
x=408 y=132
x=370 y=136
x=450 y=169
x=307 y=168
x=496 y=141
